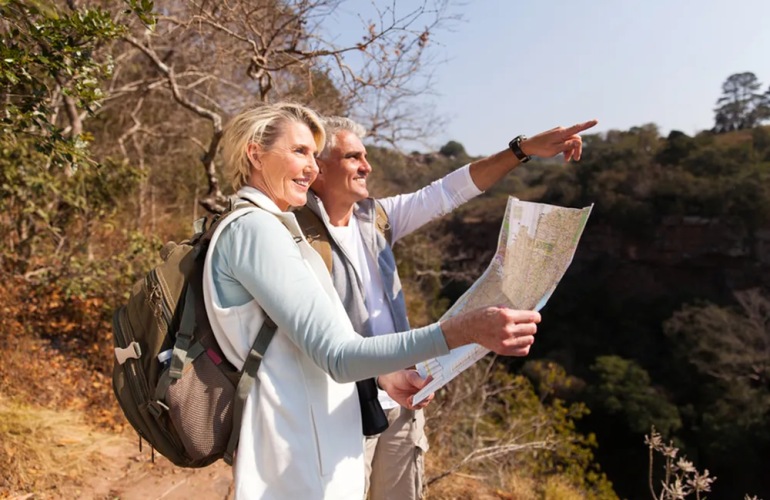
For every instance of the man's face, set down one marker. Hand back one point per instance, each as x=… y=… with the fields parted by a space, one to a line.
x=343 y=172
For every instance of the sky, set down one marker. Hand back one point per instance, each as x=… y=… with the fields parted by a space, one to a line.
x=523 y=66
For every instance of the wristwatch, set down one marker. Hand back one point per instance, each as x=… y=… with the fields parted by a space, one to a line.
x=515 y=146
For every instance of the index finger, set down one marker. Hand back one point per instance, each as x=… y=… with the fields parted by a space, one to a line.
x=524 y=316
x=576 y=129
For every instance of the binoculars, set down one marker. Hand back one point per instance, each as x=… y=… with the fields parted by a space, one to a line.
x=372 y=416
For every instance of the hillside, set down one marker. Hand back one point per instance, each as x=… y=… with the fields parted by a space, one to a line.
x=675 y=255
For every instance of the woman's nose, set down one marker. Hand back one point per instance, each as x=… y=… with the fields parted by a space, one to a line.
x=314 y=165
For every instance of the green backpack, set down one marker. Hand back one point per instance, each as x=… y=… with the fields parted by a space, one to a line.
x=173 y=383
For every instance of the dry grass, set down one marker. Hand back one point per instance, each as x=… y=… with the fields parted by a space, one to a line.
x=43 y=450
x=477 y=487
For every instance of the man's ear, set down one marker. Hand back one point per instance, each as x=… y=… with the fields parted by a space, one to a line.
x=253 y=151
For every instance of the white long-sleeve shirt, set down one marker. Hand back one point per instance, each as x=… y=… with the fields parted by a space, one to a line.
x=406 y=213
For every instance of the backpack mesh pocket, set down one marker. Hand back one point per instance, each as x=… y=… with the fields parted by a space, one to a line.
x=201 y=405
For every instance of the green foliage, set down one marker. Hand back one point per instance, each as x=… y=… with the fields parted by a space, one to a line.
x=47 y=54
x=572 y=457
x=500 y=427
x=453 y=149
x=675 y=219
x=396 y=173
x=62 y=215
x=727 y=347
x=761 y=141
x=50 y=187
x=678 y=146
x=48 y=214
x=615 y=174
x=419 y=267
x=111 y=276
x=637 y=180
x=143 y=9
x=624 y=391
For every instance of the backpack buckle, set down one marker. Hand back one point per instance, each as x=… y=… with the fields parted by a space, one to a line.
x=123 y=354
x=199 y=225
x=156 y=408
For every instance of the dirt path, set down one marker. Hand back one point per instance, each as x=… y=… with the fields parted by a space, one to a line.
x=126 y=474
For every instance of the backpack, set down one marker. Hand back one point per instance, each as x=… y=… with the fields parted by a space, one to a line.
x=173 y=383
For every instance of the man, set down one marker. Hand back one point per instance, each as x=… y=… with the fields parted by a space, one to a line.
x=364 y=269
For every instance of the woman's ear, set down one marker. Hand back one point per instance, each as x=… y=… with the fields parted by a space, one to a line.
x=253 y=152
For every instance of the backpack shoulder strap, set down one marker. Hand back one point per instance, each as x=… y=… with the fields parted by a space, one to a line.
x=248 y=379
x=184 y=336
x=382 y=222
x=316 y=234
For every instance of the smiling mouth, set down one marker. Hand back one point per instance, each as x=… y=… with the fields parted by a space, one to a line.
x=305 y=183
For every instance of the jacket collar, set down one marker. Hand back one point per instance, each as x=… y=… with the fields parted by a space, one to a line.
x=315 y=205
x=259 y=198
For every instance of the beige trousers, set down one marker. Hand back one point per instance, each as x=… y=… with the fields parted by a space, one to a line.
x=395 y=458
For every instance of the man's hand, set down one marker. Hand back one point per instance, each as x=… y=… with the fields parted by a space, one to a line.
x=403 y=385
x=558 y=140
x=487 y=171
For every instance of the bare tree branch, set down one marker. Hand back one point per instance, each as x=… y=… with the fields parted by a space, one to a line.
x=214 y=199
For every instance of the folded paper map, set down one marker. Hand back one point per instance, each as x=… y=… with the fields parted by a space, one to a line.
x=535 y=248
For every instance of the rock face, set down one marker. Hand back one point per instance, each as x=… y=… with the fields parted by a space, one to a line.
x=688 y=256
x=707 y=258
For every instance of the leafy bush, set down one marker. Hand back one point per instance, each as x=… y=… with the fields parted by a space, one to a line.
x=501 y=429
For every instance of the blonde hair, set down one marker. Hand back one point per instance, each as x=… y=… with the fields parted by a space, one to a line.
x=336 y=124
x=262 y=126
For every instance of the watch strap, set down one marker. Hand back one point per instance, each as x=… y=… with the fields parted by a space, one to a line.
x=515 y=146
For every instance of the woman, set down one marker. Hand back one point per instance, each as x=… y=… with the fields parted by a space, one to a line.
x=301 y=435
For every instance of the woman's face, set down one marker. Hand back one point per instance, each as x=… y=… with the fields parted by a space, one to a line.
x=285 y=171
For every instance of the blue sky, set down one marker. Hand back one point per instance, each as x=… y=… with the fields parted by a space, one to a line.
x=515 y=66
x=525 y=66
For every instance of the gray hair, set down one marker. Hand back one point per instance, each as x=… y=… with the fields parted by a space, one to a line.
x=336 y=124
x=262 y=126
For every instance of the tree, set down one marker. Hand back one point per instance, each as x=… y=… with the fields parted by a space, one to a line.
x=206 y=60
x=727 y=352
x=741 y=106
x=452 y=149
x=730 y=348
x=624 y=390
x=678 y=146
x=50 y=74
